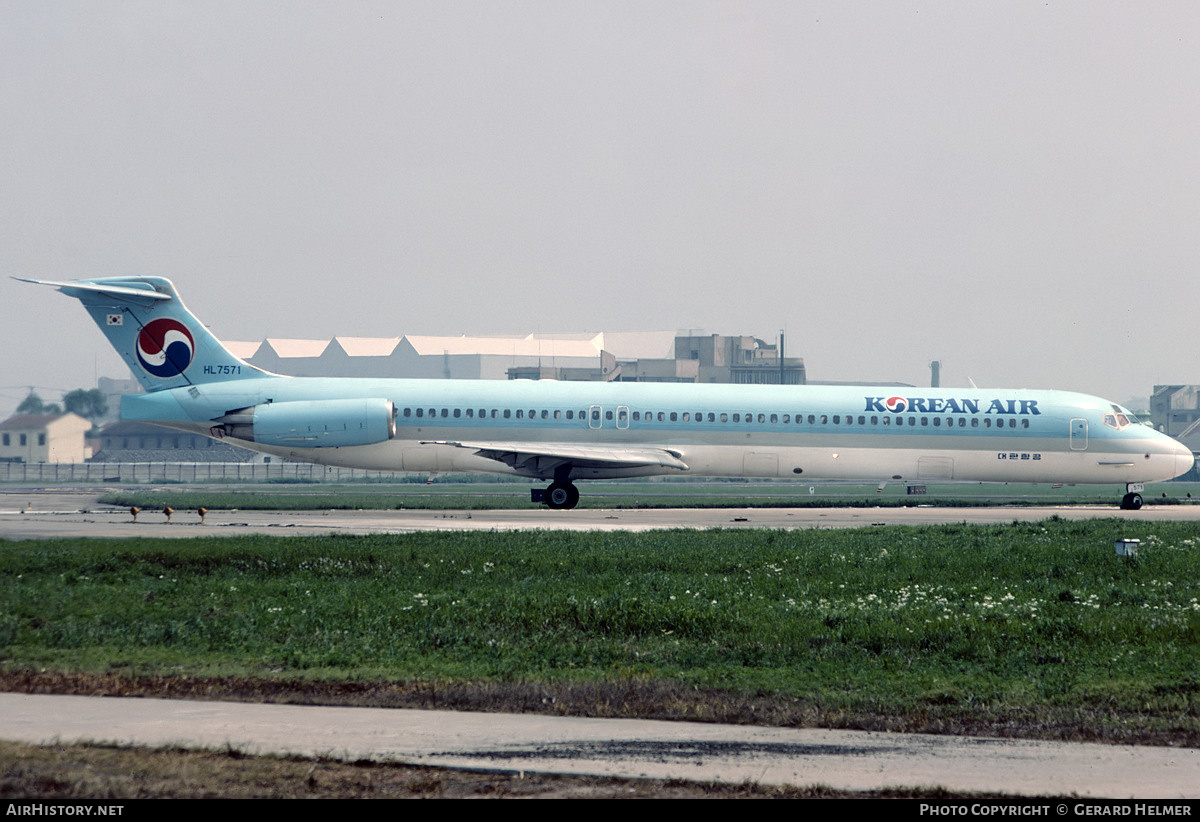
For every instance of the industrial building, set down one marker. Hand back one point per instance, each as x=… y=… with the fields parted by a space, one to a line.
x=653 y=356
x=133 y=441
x=1175 y=411
x=1175 y=408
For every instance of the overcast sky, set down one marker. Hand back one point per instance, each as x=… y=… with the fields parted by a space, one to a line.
x=1010 y=187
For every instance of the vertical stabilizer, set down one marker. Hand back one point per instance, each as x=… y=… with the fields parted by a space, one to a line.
x=163 y=343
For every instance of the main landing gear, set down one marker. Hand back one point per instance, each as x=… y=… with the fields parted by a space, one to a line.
x=560 y=496
x=1132 y=500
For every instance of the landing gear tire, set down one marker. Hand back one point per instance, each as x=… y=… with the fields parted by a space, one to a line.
x=1131 y=502
x=562 y=495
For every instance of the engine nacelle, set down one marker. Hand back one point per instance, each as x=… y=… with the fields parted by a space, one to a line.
x=312 y=424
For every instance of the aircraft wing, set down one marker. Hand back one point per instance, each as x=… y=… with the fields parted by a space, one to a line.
x=544 y=456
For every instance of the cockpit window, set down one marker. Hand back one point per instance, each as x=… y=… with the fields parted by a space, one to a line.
x=1119 y=418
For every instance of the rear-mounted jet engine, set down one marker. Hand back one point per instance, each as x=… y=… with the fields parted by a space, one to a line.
x=312 y=424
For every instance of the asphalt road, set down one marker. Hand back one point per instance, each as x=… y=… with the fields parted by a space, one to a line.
x=847 y=760
x=54 y=513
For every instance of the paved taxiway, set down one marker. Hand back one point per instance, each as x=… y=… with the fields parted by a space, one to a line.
x=634 y=748
x=847 y=760
x=53 y=513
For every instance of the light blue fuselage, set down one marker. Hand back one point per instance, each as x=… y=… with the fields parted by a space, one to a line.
x=718 y=430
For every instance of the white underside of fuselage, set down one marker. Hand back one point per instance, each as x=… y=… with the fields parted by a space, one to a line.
x=775 y=461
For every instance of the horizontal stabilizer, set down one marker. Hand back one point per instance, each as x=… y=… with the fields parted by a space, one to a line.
x=124 y=290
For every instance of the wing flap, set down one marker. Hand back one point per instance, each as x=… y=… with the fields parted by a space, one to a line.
x=516 y=454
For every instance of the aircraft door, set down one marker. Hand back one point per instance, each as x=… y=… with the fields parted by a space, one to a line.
x=1079 y=434
x=595 y=416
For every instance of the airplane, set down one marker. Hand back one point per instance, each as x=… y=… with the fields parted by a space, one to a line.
x=564 y=432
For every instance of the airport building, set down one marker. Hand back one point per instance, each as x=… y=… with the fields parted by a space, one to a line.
x=1175 y=408
x=130 y=441
x=1175 y=411
x=36 y=438
x=654 y=356
x=421 y=357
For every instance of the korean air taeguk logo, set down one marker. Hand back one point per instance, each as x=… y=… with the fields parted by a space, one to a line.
x=896 y=404
x=165 y=348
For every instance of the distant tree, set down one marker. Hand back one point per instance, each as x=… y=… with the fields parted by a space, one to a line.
x=91 y=404
x=33 y=405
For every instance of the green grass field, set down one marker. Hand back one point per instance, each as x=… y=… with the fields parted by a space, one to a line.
x=1032 y=625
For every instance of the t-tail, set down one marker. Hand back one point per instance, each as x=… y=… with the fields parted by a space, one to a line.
x=163 y=343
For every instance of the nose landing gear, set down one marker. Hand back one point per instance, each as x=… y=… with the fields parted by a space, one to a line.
x=1132 y=500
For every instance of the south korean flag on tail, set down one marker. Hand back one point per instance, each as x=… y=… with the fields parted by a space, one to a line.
x=114 y=319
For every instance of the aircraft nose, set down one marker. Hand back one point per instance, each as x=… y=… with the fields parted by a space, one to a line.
x=1183 y=459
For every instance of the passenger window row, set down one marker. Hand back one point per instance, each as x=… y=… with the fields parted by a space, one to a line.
x=734 y=418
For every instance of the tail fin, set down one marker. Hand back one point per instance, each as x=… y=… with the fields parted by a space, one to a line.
x=163 y=343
